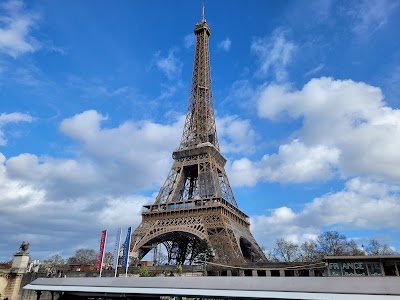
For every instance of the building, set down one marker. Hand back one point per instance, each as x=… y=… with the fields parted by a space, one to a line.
x=363 y=265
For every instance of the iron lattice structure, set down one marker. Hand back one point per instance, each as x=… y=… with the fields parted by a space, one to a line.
x=196 y=200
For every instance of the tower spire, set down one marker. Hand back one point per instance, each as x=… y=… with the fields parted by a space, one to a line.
x=202 y=13
x=200 y=122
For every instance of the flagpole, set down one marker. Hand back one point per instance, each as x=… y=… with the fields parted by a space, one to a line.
x=102 y=256
x=127 y=262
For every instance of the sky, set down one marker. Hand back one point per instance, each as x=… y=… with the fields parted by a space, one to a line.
x=93 y=96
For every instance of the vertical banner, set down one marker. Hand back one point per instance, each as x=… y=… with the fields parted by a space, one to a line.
x=116 y=248
x=127 y=243
x=101 y=252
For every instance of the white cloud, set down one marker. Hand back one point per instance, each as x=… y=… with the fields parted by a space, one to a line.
x=170 y=65
x=14 y=118
x=11 y=118
x=315 y=70
x=189 y=40
x=124 y=209
x=359 y=205
x=241 y=94
x=370 y=15
x=274 y=54
x=97 y=189
x=15 y=27
x=296 y=163
x=242 y=172
x=109 y=161
x=293 y=163
x=168 y=90
x=225 y=44
x=29 y=75
x=51 y=224
x=83 y=126
x=346 y=129
x=115 y=160
x=241 y=89
x=235 y=135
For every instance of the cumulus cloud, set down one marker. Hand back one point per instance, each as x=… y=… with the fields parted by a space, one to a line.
x=170 y=65
x=16 y=25
x=235 y=135
x=243 y=173
x=115 y=160
x=346 y=130
x=274 y=54
x=225 y=44
x=358 y=206
x=98 y=187
x=55 y=225
x=11 y=118
x=296 y=163
x=124 y=209
x=107 y=152
x=83 y=126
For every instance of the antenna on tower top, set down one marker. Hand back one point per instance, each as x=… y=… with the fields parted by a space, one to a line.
x=202 y=13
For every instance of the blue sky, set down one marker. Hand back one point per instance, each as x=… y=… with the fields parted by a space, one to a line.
x=93 y=96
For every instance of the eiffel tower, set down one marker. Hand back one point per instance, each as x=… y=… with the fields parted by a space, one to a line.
x=196 y=201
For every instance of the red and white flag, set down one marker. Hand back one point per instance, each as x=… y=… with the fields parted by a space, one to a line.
x=101 y=252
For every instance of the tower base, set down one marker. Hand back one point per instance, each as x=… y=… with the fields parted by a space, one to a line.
x=222 y=225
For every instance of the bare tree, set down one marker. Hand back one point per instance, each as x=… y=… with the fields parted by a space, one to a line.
x=376 y=248
x=336 y=244
x=351 y=248
x=84 y=257
x=55 y=262
x=309 y=251
x=269 y=255
x=286 y=250
x=331 y=243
